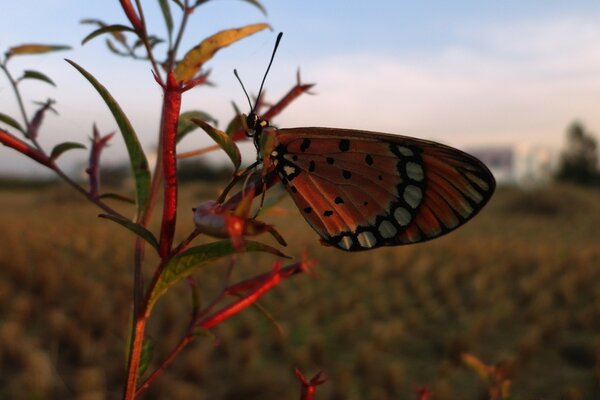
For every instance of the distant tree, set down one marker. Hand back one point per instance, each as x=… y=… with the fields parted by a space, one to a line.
x=579 y=159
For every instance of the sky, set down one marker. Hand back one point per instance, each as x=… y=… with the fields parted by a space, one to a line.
x=465 y=73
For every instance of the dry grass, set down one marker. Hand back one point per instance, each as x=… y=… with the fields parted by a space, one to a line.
x=520 y=284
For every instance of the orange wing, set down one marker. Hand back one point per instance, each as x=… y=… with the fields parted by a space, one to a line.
x=360 y=190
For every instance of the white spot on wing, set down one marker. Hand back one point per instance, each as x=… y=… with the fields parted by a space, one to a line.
x=413 y=195
x=405 y=151
x=387 y=229
x=367 y=239
x=289 y=170
x=402 y=216
x=345 y=243
x=414 y=171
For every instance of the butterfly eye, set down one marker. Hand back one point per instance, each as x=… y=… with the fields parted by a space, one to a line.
x=252 y=122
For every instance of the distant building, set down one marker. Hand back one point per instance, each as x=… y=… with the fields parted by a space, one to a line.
x=500 y=160
x=519 y=165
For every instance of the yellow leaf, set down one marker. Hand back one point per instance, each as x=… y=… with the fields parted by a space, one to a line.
x=476 y=365
x=34 y=48
x=187 y=68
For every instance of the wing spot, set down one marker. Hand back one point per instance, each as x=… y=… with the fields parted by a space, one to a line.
x=311 y=166
x=305 y=145
x=328 y=213
x=387 y=230
x=308 y=210
x=380 y=177
x=365 y=203
x=338 y=200
x=414 y=171
x=413 y=195
x=330 y=160
x=344 y=145
x=345 y=243
x=366 y=239
x=346 y=174
x=293 y=189
x=369 y=159
x=295 y=158
x=402 y=216
x=289 y=170
x=405 y=151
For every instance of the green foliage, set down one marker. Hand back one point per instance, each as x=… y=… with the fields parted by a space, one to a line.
x=137 y=158
x=579 y=160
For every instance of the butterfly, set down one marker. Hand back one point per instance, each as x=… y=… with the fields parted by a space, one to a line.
x=360 y=190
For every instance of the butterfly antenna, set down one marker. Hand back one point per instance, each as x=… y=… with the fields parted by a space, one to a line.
x=269 y=67
x=243 y=88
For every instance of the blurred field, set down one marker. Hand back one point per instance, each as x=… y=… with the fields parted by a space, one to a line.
x=520 y=284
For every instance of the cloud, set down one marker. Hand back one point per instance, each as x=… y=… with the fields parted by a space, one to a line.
x=522 y=82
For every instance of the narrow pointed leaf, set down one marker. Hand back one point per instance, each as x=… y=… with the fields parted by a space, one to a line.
x=166 y=12
x=107 y=29
x=117 y=196
x=197 y=257
x=111 y=46
x=34 y=48
x=11 y=122
x=29 y=74
x=187 y=68
x=236 y=123
x=224 y=141
x=180 y=4
x=185 y=124
x=133 y=227
x=257 y=4
x=62 y=147
x=146 y=357
x=139 y=163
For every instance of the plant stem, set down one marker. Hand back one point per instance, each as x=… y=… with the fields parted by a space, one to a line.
x=13 y=83
x=171 y=108
x=172 y=55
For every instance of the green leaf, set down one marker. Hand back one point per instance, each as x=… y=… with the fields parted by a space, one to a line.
x=62 y=147
x=180 y=4
x=139 y=163
x=10 y=121
x=146 y=357
x=197 y=257
x=236 y=123
x=34 y=48
x=107 y=29
x=185 y=124
x=187 y=68
x=29 y=74
x=114 y=49
x=258 y=5
x=133 y=227
x=224 y=141
x=166 y=12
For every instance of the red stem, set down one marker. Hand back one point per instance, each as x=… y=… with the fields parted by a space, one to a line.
x=132 y=15
x=9 y=140
x=171 y=108
x=260 y=284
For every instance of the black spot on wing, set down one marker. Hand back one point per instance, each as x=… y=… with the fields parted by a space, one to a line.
x=344 y=145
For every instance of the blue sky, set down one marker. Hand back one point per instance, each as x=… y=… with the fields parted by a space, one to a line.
x=467 y=73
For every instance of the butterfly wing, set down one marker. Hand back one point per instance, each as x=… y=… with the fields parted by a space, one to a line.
x=360 y=190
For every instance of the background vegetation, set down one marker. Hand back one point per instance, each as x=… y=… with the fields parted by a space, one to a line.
x=519 y=286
